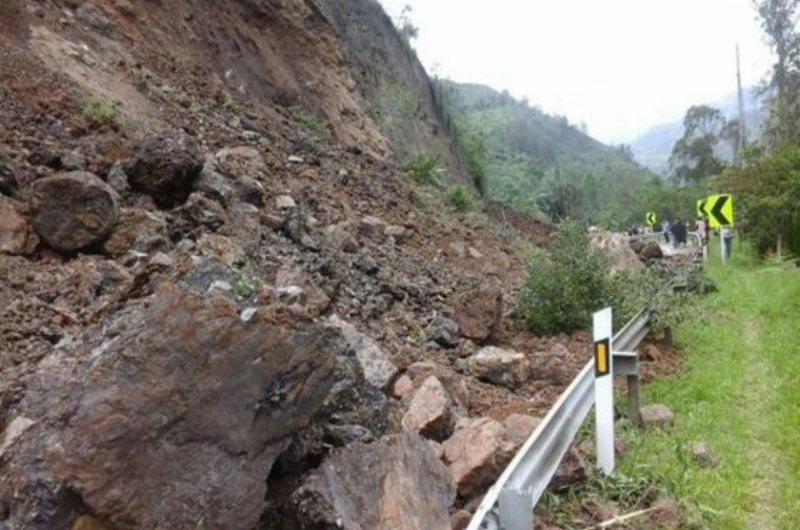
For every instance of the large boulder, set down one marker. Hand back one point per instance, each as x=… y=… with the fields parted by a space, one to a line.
x=397 y=483
x=73 y=210
x=476 y=454
x=651 y=250
x=164 y=166
x=617 y=248
x=171 y=417
x=499 y=366
x=431 y=411
x=16 y=234
x=479 y=313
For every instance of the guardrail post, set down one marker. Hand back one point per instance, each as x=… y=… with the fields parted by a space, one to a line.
x=604 y=389
x=634 y=399
x=515 y=509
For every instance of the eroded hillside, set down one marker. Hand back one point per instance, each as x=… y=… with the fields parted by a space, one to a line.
x=223 y=304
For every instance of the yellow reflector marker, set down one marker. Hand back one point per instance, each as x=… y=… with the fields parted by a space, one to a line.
x=602 y=362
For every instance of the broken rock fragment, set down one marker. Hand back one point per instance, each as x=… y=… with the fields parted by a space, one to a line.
x=430 y=412
x=479 y=313
x=378 y=368
x=499 y=366
x=16 y=234
x=476 y=454
x=396 y=483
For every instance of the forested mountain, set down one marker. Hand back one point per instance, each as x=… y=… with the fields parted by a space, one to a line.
x=653 y=148
x=540 y=163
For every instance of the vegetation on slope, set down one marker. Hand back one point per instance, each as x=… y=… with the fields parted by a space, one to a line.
x=541 y=164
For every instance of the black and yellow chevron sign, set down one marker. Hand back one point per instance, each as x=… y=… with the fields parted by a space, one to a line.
x=701 y=208
x=720 y=210
x=651 y=218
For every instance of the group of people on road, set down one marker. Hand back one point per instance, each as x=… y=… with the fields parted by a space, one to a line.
x=675 y=232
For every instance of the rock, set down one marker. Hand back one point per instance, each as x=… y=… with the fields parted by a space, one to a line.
x=479 y=313
x=453 y=382
x=201 y=212
x=621 y=446
x=339 y=237
x=650 y=251
x=659 y=416
x=234 y=173
x=248 y=314
x=16 y=234
x=396 y=483
x=222 y=248
x=398 y=233
x=73 y=161
x=444 y=331
x=559 y=350
x=71 y=211
x=430 y=412
x=294 y=159
x=499 y=366
x=372 y=228
x=87 y=522
x=666 y=515
x=460 y=520
x=161 y=260
x=176 y=419
x=139 y=230
x=474 y=253
x=617 y=249
x=13 y=431
x=242 y=161
x=285 y=202
x=290 y=293
x=8 y=170
x=573 y=470
x=378 y=367
x=703 y=455
x=165 y=166
x=118 y=179
x=519 y=427
x=476 y=454
x=402 y=387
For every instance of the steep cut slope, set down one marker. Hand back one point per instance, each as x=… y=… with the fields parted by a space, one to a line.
x=222 y=302
x=538 y=162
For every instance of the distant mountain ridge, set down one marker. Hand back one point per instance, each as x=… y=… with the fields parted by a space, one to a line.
x=652 y=149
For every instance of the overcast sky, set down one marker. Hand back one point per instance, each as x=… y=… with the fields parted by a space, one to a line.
x=621 y=66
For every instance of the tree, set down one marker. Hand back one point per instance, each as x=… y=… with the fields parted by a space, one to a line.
x=407 y=28
x=694 y=157
x=779 y=19
x=768 y=191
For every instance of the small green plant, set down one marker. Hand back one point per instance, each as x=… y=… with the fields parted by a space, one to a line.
x=230 y=104
x=462 y=199
x=243 y=288
x=566 y=286
x=313 y=123
x=425 y=169
x=99 y=112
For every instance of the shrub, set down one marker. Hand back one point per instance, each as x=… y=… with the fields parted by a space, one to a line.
x=564 y=288
x=462 y=199
x=99 y=112
x=231 y=105
x=425 y=169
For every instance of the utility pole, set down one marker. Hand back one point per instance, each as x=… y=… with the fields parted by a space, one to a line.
x=742 y=127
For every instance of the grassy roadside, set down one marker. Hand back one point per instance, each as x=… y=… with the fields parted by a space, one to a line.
x=740 y=393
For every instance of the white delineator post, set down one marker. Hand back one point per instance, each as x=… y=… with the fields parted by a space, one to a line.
x=604 y=390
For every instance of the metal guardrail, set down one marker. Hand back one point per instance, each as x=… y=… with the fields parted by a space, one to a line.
x=509 y=504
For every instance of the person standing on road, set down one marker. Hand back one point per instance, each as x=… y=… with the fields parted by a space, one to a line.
x=727 y=234
x=665 y=229
x=702 y=234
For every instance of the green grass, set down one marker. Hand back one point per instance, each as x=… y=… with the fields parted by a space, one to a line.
x=741 y=393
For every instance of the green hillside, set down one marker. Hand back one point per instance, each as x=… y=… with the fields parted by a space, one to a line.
x=541 y=164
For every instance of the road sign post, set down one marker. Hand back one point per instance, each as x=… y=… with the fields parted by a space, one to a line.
x=604 y=389
x=720 y=215
x=651 y=219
